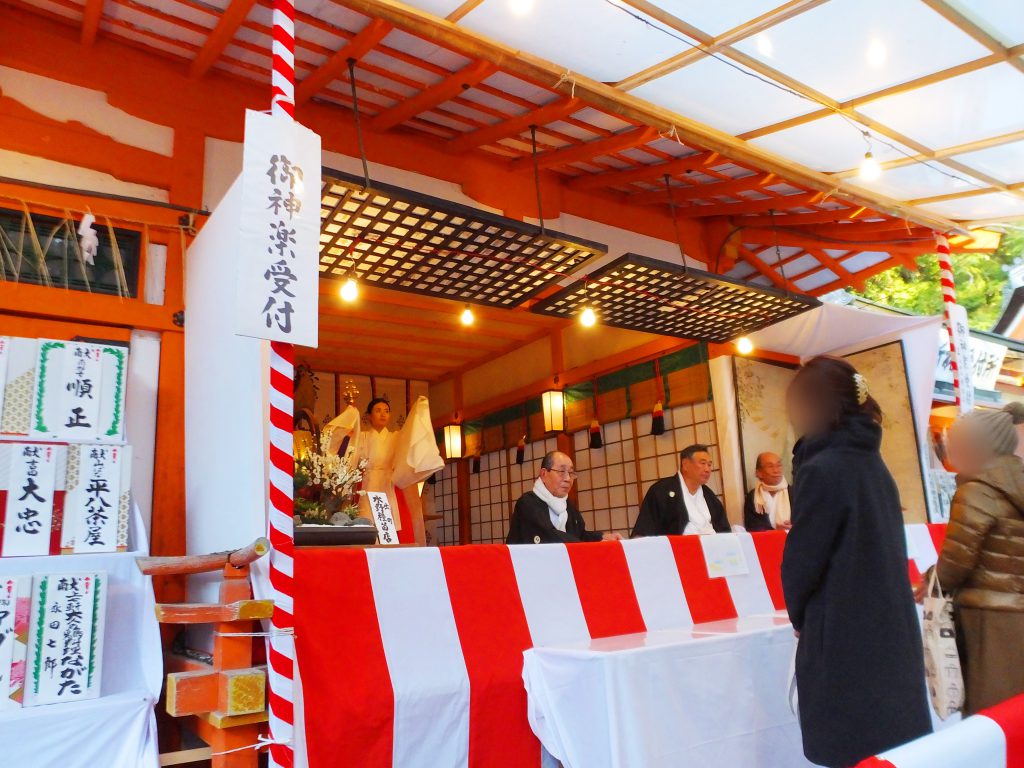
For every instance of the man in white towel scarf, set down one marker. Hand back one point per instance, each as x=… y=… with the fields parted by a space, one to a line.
x=767 y=504
x=545 y=515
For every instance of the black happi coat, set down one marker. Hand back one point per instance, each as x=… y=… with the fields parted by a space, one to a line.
x=859 y=663
x=663 y=511
x=531 y=524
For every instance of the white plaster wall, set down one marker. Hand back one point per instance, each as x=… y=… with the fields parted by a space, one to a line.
x=38 y=170
x=65 y=103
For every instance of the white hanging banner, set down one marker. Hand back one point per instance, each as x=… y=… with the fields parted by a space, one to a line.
x=28 y=515
x=986 y=361
x=960 y=333
x=383 y=517
x=279 y=234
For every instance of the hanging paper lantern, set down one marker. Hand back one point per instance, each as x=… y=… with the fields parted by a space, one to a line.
x=521 y=450
x=595 y=435
x=658 y=419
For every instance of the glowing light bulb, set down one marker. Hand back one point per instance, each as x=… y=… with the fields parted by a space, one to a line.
x=588 y=317
x=765 y=46
x=467 y=316
x=869 y=168
x=876 y=53
x=520 y=7
x=744 y=345
x=349 y=290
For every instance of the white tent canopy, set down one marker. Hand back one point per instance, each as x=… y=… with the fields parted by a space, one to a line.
x=832 y=329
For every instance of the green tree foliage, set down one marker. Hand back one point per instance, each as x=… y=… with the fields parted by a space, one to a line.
x=980 y=282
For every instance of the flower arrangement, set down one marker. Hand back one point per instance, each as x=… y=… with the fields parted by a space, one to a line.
x=325 y=485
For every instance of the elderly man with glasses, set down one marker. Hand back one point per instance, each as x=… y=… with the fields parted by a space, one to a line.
x=545 y=515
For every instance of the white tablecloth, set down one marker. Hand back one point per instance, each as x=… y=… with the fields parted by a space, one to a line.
x=117 y=730
x=712 y=695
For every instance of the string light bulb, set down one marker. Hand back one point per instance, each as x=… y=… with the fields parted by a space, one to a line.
x=870 y=169
x=467 y=318
x=349 y=290
x=744 y=345
x=588 y=317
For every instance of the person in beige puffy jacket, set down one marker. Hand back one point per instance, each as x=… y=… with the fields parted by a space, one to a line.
x=982 y=559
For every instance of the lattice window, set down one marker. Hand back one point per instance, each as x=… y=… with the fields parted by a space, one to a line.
x=614 y=478
x=446 y=502
x=394 y=238
x=607 y=486
x=643 y=294
x=489 y=499
x=45 y=250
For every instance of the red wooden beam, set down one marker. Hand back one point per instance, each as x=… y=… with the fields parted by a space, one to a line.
x=817 y=217
x=91 y=15
x=850 y=279
x=438 y=93
x=700 y=191
x=549 y=113
x=644 y=173
x=220 y=37
x=609 y=145
x=337 y=64
x=748 y=206
x=772 y=274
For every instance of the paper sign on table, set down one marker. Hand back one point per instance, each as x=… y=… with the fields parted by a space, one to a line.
x=18 y=384
x=723 y=555
x=380 y=508
x=66 y=639
x=29 y=484
x=15 y=600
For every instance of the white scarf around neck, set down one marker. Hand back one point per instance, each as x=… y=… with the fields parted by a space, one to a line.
x=781 y=498
x=558 y=508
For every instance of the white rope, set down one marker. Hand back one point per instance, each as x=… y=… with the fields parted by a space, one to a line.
x=672 y=133
x=261 y=742
x=567 y=78
x=271 y=633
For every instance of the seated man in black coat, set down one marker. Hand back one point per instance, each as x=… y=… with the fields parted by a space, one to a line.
x=683 y=504
x=766 y=507
x=545 y=515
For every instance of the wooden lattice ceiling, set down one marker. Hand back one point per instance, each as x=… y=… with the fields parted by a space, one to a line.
x=643 y=294
x=397 y=239
x=435 y=76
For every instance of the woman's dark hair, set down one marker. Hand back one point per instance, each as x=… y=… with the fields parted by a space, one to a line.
x=375 y=401
x=828 y=385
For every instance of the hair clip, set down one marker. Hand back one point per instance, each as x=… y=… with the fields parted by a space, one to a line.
x=862 y=388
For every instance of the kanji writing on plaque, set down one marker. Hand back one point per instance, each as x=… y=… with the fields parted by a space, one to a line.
x=65 y=646
x=92 y=507
x=79 y=391
x=30 y=484
x=383 y=518
x=279 y=241
x=15 y=597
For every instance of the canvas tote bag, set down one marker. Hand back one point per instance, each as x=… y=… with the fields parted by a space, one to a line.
x=941 y=658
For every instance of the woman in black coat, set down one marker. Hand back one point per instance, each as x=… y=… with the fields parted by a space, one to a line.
x=859 y=662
